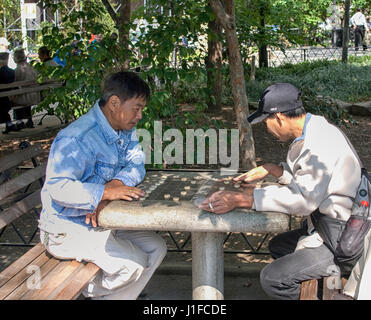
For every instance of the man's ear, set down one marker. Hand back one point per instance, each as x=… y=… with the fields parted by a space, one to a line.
x=279 y=118
x=114 y=102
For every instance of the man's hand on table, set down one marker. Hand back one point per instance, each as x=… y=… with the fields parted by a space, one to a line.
x=223 y=201
x=114 y=190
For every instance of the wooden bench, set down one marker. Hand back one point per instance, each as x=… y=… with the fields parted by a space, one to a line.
x=29 y=86
x=36 y=275
x=312 y=289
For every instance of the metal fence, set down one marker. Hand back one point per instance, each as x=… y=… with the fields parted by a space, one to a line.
x=297 y=55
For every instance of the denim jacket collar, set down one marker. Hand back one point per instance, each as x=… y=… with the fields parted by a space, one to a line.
x=109 y=133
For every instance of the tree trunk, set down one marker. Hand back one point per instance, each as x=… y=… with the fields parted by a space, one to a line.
x=344 y=57
x=122 y=21
x=263 y=52
x=226 y=17
x=214 y=67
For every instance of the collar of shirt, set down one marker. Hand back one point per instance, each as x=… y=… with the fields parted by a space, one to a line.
x=307 y=117
x=109 y=133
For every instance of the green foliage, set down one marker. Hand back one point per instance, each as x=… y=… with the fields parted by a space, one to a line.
x=318 y=81
x=347 y=82
x=86 y=63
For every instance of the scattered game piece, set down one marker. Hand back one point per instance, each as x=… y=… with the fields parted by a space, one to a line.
x=176 y=198
x=167 y=196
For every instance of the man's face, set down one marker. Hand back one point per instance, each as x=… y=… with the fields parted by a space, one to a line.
x=127 y=114
x=278 y=127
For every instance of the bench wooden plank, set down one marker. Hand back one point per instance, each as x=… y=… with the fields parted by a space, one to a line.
x=20 y=208
x=21 y=263
x=22 y=181
x=22 y=276
x=17 y=84
x=24 y=288
x=309 y=290
x=11 y=160
x=30 y=89
x=53 y=280
x=77 y=284
x=328 y=291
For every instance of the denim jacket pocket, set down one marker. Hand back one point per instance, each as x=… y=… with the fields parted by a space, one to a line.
x=105 y=170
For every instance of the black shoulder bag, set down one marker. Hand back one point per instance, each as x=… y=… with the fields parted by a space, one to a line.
x=346 y=239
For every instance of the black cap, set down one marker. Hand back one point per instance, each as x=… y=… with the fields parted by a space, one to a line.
x=279 y=97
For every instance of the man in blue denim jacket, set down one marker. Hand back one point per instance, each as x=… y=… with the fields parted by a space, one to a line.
x=94 y=160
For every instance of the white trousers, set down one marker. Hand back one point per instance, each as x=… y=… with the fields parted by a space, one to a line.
x=358 y=285
x=128 y=259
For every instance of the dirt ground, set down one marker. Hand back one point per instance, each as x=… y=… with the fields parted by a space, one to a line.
x=267 y=148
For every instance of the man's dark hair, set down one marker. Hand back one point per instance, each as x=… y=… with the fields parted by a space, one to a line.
x=44 y=50
x=296 y=113
x=125 y=85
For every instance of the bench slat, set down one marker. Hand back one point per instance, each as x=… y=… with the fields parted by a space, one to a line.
x=20 y=208
x=11 y=160
x=17 y=84
x=309 y=290
x=24 y=289
x=53 y=280
x=22 y=276
x=21 y=263
x=29 y=89
x=22 y=181
x=74 y=287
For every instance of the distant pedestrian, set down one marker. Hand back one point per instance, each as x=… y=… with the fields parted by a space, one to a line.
x=4 y=47
x=45 y=58
x=6 y=76
x=24 y=72
x=358 y=22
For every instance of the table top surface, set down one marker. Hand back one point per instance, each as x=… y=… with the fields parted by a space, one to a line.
x=171 y=202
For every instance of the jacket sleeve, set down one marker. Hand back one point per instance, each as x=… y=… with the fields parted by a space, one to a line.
x=305 y=191
x=134 y=171
x=68 y=163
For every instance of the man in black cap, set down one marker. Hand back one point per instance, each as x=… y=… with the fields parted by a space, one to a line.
x=318 y=181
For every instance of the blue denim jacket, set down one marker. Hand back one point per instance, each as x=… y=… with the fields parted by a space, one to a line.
x=83 y=158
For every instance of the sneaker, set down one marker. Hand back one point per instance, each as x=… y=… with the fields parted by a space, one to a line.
x=12 y=127
x=20 y=125
x=29 y=124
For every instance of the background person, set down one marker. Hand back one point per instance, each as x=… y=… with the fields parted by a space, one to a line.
x=319 y=181
x=94 y=160
x=24 y=72
x=4 y=47
x=6 y=76
x=358 y=22
x=45 y=58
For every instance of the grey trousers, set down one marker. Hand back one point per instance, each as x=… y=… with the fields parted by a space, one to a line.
x=282 y=278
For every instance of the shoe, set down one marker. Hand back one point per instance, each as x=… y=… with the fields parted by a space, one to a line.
x=20 y=125
x=13 y=127
x=29 y=124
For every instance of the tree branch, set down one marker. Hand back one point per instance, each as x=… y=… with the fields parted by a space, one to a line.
x=110 y=10
x=224 y=19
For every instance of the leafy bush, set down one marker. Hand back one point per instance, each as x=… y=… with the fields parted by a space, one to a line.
x=347 y=82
